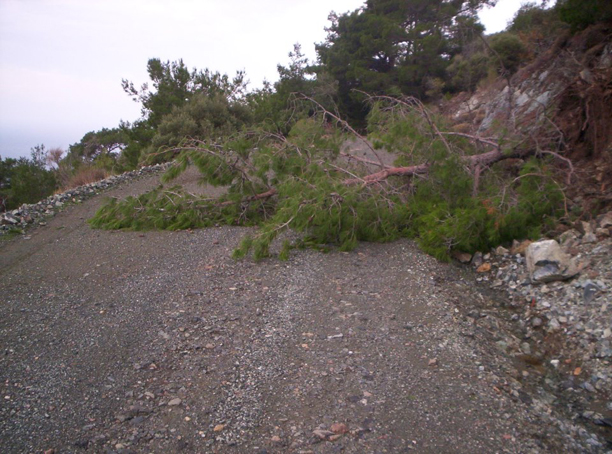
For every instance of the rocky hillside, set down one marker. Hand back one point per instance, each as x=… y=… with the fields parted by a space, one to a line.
x=555 y=318
x=562 y=99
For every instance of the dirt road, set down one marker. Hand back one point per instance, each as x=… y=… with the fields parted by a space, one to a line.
x=160 y=342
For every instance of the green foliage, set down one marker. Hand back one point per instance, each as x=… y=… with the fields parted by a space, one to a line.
x=139 y=135
x=174 y=87
x=447 y=217
x=531 y=16
x=275 y=107
x=299 y=182
x=6 y=170
x=537 y=27
x=394 y=47
x=97 y=144
x=203 y=118
x=465 y=73
x=579 y=14
x=25 y=180
x=172 y=209
x=508 y=53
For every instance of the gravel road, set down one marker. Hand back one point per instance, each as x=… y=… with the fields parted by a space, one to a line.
x=159 y=342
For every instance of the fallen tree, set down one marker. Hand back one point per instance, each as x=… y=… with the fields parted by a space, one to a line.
x=442 y=187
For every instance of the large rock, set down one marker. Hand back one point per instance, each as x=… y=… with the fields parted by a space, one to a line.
x=546 y=262
x=605 y=221
x=7 y=219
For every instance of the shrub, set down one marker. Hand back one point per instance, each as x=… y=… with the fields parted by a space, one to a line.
x=25 y=180
x=579 y=14
x=537 y=27
x=465 y=73
x=508 y=53
x=203 y=117
x=85 y=174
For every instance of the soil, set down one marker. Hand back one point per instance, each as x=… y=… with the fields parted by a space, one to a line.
x=159 y=342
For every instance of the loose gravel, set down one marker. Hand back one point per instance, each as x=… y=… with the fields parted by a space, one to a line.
x=159 y=342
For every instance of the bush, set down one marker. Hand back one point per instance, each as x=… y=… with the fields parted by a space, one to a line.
x=579 y=14
x=203 y=117
x=85 y=174
x=537 y=27
x=24 y=181
x=508 y=53
x=466 y=73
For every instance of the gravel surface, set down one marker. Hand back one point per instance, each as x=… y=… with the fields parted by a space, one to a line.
x=160 y=342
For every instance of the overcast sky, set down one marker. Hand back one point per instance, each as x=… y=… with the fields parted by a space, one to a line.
x=62 y=61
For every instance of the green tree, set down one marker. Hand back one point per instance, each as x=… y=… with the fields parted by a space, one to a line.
x=173 y=85
x=394 y=47
x=99 y=143
x=26 y=180
x=508 y=53
x=204 y=117
x=582 y=13
x=274 y=106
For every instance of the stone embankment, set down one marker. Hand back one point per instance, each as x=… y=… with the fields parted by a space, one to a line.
x=37 y=213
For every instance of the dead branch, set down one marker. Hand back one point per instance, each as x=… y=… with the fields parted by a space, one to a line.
x=481 y=161
x=389 y=172
x=570 y=166
x=253 y=198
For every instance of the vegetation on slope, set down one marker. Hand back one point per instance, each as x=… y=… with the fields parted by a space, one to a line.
x=380 y=73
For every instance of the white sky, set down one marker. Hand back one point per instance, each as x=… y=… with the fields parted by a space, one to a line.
x=62 y=61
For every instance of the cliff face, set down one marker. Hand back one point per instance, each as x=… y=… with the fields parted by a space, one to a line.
x=563 y=102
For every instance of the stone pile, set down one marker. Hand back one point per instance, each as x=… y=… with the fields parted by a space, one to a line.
x=560 y=292
x=29 y=214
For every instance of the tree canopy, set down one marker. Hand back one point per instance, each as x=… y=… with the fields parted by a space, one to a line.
x=394 y=46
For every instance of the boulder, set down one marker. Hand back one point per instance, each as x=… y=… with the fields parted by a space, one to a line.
x=546 y=262
x=605 y=221
x=462 y=257
x=7 y=219
x=477 y=259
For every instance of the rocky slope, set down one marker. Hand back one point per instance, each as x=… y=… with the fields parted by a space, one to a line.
x=559 y=329
x=562 y=100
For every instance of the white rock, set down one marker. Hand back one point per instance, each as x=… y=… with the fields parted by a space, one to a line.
x=546 y=262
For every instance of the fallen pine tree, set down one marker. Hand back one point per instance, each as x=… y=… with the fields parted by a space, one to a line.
x=444 y=188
